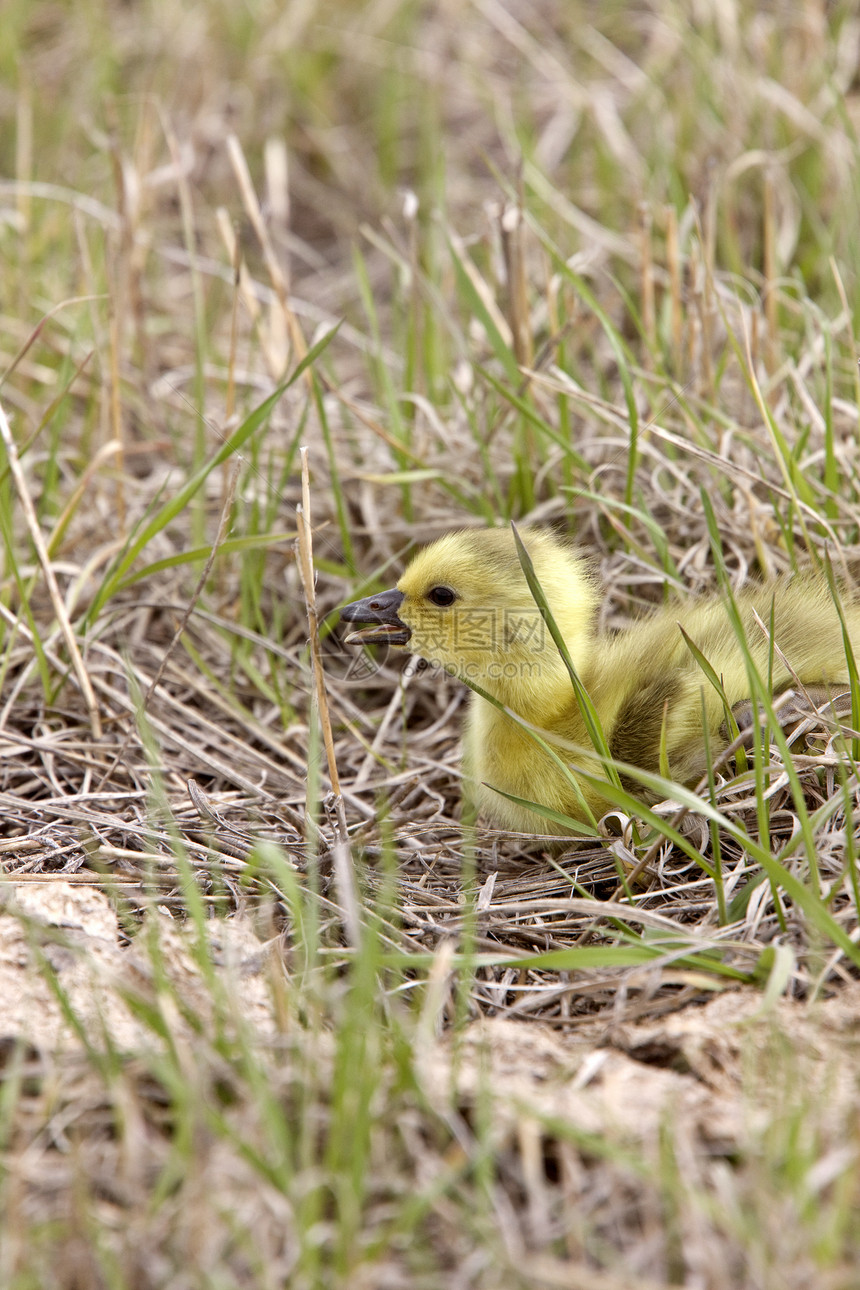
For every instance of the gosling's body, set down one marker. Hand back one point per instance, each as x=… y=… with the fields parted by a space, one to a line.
x=490 y=631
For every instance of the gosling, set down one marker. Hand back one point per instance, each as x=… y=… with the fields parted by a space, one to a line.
x=464 y=604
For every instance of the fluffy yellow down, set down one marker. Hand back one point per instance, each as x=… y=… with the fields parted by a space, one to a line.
x=492 y=633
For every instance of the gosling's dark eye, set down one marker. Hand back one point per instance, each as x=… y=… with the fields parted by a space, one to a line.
x=441 y=596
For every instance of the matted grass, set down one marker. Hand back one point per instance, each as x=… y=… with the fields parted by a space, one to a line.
x=593 y=267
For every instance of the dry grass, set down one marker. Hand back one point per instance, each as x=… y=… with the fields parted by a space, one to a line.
x=597 y=268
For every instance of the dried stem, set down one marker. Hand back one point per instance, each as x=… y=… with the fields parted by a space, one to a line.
x=341 y=855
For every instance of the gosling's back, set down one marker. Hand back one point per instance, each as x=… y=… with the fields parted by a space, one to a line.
x=650 y=668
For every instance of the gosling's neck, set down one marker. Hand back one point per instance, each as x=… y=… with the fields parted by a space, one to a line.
x=528 y=675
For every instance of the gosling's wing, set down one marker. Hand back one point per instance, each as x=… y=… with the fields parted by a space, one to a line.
x=647 y=684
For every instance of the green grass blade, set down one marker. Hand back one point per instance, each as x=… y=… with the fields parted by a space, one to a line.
x=586 y=707
x=177 y=503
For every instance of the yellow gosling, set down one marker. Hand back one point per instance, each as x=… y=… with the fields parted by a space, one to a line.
x=464 y=604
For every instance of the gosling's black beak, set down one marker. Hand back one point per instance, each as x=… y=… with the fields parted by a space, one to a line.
x=381 y=612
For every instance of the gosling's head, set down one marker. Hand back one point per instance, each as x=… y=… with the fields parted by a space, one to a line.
x=464 y=603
